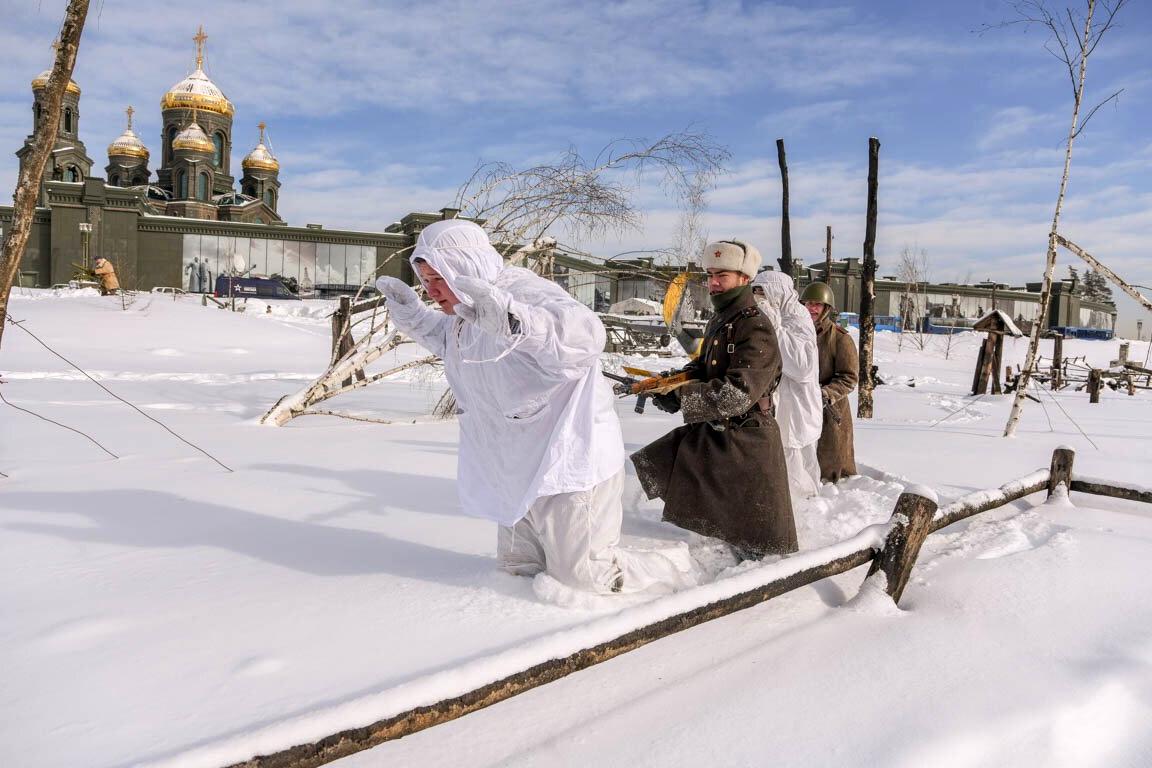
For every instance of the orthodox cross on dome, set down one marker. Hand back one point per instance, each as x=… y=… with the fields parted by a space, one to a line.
x=262 y=126
x=200 y=37
x=129 y=112
x=195 y=115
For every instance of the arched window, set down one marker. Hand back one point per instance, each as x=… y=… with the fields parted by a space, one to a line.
x=114 y=180
x=73 y=173
x=181 y=185
x=140 y=180
x=168 y=144
x=270 y=199
x=250 y=190
x=38 y=113
x=202 y=187
x=218 y=155
x=67 y=121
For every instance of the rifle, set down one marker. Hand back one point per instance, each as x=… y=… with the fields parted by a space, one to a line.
x=651 y=384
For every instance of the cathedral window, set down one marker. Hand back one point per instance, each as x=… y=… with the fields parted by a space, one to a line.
x=270 y=199
x=218 y=155
x=67 y=121
x=202 y=187
x=181 y=185
x=73 y=173
x=168 y=144
x=38 y=112
x=114 y=180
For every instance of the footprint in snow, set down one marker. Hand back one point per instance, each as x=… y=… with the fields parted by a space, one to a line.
x=80 y=634
x=258 y=666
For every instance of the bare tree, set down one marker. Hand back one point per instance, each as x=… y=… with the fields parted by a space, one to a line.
x=1072 y=48
x=43 y=138
x=587 y=197
x=912 y=271
x=691 y=237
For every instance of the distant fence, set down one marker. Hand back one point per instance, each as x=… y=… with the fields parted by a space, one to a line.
x=892 y=549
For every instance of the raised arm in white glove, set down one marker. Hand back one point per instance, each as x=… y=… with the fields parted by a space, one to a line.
x=397 y=292
x=490 y=307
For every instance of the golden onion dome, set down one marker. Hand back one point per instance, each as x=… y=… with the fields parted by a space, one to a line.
x=41 y=80
x=193 y=139
x=261 y=158
x=196 y=91
x=128 y=144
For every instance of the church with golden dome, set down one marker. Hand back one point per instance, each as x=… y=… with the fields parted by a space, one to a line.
x=175 y=214
x=195 y=178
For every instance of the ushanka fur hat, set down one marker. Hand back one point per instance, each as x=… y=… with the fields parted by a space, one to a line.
x=732 y=255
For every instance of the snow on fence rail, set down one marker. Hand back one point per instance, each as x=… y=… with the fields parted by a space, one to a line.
x=371 y=720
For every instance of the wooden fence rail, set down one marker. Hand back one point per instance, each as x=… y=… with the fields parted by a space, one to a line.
x=891 y=548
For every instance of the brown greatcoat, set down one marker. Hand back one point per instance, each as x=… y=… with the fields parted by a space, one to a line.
x=107 y=274
x=723 y=474
x=839 y=372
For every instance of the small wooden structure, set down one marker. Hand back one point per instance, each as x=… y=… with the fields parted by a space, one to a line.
x=990 y=360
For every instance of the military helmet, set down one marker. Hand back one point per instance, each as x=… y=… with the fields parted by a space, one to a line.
x=820 y=292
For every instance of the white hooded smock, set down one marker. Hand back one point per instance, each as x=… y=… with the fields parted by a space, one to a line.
x=536 y=415
x=800 y=409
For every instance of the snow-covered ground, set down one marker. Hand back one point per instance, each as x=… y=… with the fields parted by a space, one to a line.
x=158 y=609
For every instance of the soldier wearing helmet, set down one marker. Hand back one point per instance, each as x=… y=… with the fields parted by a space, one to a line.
x=839 y=373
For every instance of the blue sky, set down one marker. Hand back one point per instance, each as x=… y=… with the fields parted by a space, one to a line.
x=375 y=109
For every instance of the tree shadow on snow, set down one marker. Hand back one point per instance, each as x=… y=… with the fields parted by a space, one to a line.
x=155 y=520
x=374 y=490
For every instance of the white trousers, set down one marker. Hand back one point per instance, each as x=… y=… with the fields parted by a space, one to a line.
x=803 y=471
x=575 y=538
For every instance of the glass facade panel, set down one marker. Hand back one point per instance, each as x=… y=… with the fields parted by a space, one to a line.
x=338 y=264
x=368 y=263
x=258 y=257
x=275 y=264
x=308 y=277
x=291 y=269
x=209 y=250
x=352 y=271
x=243 y=252
x=323 y=264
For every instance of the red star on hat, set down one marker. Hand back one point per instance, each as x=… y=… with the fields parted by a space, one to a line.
x=717 y=254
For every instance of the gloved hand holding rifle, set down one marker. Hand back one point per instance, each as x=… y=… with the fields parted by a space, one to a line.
x=660 y=387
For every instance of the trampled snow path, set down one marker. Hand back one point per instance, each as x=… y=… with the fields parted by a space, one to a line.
x=156 y=604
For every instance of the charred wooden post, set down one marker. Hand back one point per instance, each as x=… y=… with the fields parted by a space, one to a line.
x=1123 y=357
x=868 y=286
x=785 y=225
x=911 y=523
x=828 y=255
x=1057 y=361
x=1094 y=379
x=984 y=361
x=1061 y=469
x=997 y=359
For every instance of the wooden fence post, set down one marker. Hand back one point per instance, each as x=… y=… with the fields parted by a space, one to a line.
x=1061 y=470
x=1094 y=385
x=911 y=523
x=1057 y=360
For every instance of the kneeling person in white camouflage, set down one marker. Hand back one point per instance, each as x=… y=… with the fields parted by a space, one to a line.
x=541 y=451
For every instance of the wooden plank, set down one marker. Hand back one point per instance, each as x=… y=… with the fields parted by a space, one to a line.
x=911 y=524
x=1114 y=491
x=982 y=501
x=355 y=740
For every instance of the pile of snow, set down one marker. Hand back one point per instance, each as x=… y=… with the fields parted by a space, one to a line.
x=162 y=610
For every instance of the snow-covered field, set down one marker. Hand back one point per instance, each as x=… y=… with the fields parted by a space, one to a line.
x=160 y=610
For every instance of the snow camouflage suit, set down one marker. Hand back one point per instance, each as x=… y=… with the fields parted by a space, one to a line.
x=839 y=372
x=723 y=473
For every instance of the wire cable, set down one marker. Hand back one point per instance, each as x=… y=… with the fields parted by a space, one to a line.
x=50 y=421
x=19 y=324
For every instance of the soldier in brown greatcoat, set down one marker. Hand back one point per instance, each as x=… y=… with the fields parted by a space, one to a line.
x=723 y=473
x=839 y=372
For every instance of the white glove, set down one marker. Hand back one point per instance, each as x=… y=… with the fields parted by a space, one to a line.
x=397 y=292
x=489 y=308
